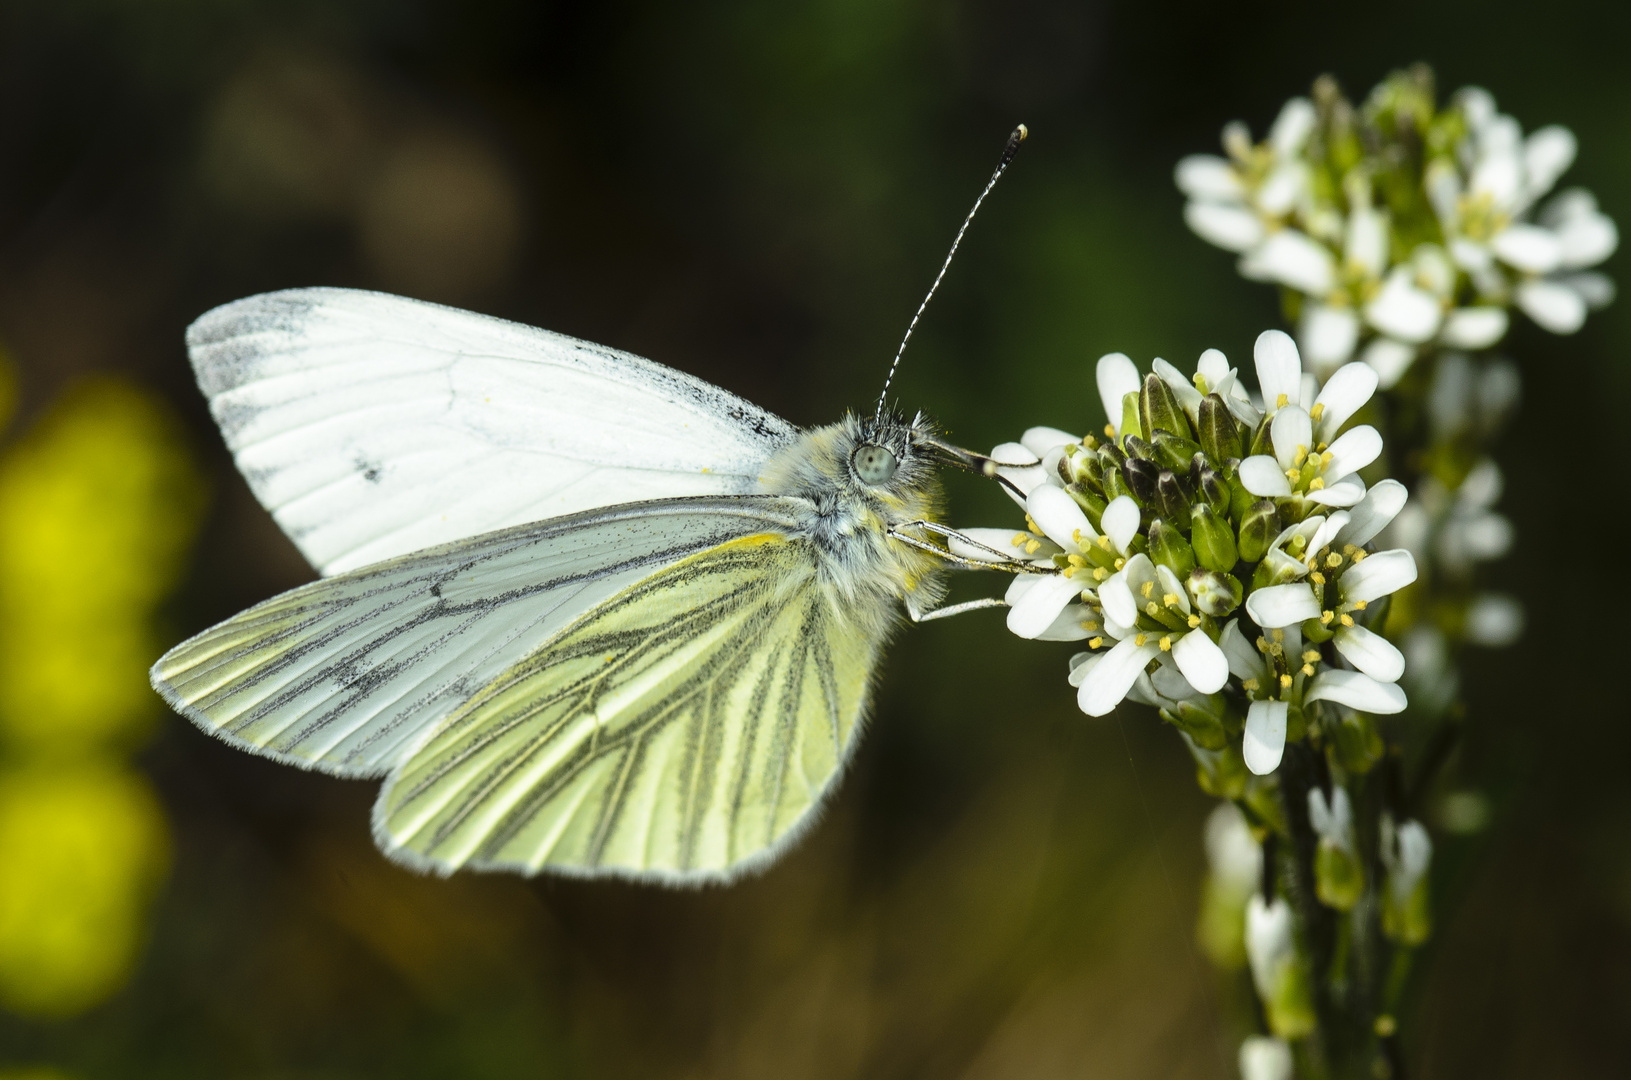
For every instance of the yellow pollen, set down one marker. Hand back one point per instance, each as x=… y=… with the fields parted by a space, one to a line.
x=1319 y=448
x=1104 y=542
x=1090 y=624
x=1250 y=685
x=1076 y=560
x=1359 y=605
x=1317 y=411
x=1194 y=621
x=1149 y=587
x=1262 y=646
x=1169 y=600
x=1308 y=669
x=1293 y=474
x=1348 y=549
x=1315 y=484
x=1120 y=563
x=1280 y=402
x=1166 y=643
x=1325 y=458
x=1359 y=556
x=1030 y=523
x=1279 y=636
x=1109 y=431
x=1317 y=578
x=1333 y=560
x=1139 y=639
x=1326 y=617
x=1300 y=456
x=1347 y=620
x=1153 y=608
x=1067 y=572
x=1076 y=537
x=1311 y=655
x=1100 y=573
x=1093 y=643
x=1020 y=539
x=1285 y=682
x=1032 y=547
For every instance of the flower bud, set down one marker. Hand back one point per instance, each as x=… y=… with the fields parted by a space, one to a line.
x=1406 y=852
x=1138 y=448
x=1258 y=530
x=1212 y=539
x=1115 y=485
x=1261 y=443
x=1338 y=877
x=1141 y=476
x=1277 y=969
x=1175 y=452
x=1111 y=456
x=1213 y=593
x=1130 y=421
x=1092 y=504
x=1204 y=728
x=1169 y=548
x=1170 y=496
x=1355 y=742
x=1215 y=491
x=1158 y=409
x=1219 y=434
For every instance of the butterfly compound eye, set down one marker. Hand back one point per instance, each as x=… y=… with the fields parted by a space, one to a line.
x=873 y=464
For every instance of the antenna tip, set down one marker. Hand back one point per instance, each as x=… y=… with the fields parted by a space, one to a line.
x=1014 y=140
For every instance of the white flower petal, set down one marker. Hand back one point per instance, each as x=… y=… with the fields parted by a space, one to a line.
x=1039 y=440
x=1547 y=155
x=1291 y=258
x=1283 y=188
x=1189 y=398
x=1494 y=620
x=1036 y=610
x=1596 y=289
x=1352 y=451
x=1474 y=327
x=1262 y=476
x=1366 y=248
x=1000 y=541
x=1282 y=605
x=1169 y=682
x=1069 y=624
x=1587 y=241
x=1291 y=432
x=1373 y=513
x=1213 y=367
x=1116 y=597
x=1345 y=393
x=1555 y=306
x=1169 y=585
x=1482 y=486
x=1327 y=531
x=1380 y=574
x=1081 y=664
x=1403 y=311
x=1371 y=653
x=1345 y=492
x=1528 y=247
x=1245 y=662
x=1120 y=520
x=1263 y=1057
x=1025 y=473
x=1117 y=377
x=1210 y=178
x=1279 y=368
x=1356 y=690
x=1292 y=127
x=1110 y=679
x=1390 y=358
x=1328 y=335
x=1057 y=515
x=1265 y=740
x=1230 y=227
x=1201 y=661
x=1499 y=175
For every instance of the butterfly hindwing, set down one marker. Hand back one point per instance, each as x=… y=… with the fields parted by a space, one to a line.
x=684 y=730
x=347 y=674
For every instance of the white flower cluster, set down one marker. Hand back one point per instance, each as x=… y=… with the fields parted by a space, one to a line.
x=1383 y=271
x=1272 y=485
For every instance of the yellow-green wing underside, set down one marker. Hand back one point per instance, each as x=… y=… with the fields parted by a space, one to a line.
x=684 y=729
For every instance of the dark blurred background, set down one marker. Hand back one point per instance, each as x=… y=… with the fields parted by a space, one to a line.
x=757 y=193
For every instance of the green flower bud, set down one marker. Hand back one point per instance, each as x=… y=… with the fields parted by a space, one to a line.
x=1130 y=421
x=1338 y=878
x=1115 y=485
x=1355 y=742
x=1258 y=529
x=1141 y=477
x=1212 y=539
x=1111 y=456
x=1091 y=503
x=1220 y=773
x=1214 y=594
x=1261 y=443
x=1158 y=409
x=1204 y=727
x=1176 y=452
x=1219 y=432
x=1170 y=496
x=1169 y=548
x=1215 y=491
x=1138 y=448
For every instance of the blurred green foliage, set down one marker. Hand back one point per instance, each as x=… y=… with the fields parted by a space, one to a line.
x=758 y=194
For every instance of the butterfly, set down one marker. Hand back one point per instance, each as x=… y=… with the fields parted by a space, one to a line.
x=582 y=613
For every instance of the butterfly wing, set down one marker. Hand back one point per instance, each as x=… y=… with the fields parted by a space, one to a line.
x=371 y=425
x=347 y=674
x=685 y=730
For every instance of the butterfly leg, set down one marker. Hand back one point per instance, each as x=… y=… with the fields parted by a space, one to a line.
x=1007 y=565
x=953 y=609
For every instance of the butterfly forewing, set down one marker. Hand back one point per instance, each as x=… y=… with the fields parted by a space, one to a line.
x=349 y=673
x=683 y=730
x=372 y=425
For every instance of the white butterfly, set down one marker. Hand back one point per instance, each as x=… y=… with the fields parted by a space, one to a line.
x=582 y=613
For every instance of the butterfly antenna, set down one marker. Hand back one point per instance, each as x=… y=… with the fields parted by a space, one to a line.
x=1008 y=153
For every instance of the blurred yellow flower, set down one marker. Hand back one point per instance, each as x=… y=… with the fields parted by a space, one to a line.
x=82 y=849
